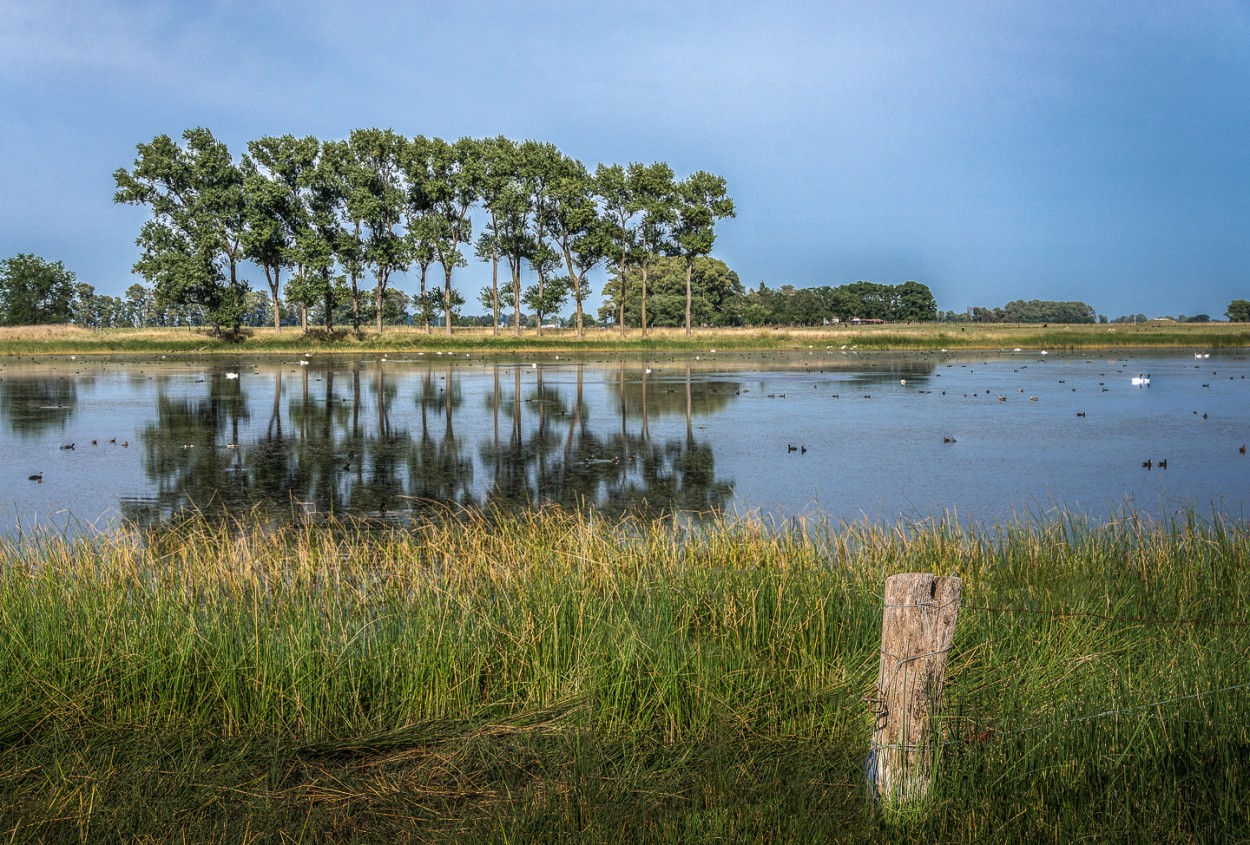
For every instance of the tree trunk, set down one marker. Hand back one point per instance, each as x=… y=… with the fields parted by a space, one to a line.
x=621 y=308
x=516 y=296
x=575 y=283
x=273 y=294
x=689 y=272
x=539 y=251
x=494 y=292
x=236 y=320
x=425 y=308
x=643 y=316
x=355 y=307
x=380 y=298
x=447 y=299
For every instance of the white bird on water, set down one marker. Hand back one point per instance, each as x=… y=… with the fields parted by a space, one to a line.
x=232 y=376
x=1140 y=380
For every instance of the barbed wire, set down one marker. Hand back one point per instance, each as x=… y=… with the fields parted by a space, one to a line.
x=1196 y=621
x=1153 y=704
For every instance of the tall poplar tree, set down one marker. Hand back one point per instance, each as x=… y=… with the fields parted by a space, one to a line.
x=192 y=246
x=276 y=176
x=421 y=228
x=345 y=201
x=701 y=200
x=619 y=209
x=541 y=166
x=315 y=245
x=380 y=199
x=496 y=157
x=654 y=194
x=454 y=188
x=581 y=235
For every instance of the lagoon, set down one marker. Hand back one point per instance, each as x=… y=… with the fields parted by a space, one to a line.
x=981 y=436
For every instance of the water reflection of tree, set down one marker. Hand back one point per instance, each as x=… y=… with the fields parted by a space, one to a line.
x=33 y=405
x=327 y=437
x=661 y=393
x=438 y=470
x=562 y=460
x=678 y=474
x=273 y=458
x=184 y=455
x=337 y=441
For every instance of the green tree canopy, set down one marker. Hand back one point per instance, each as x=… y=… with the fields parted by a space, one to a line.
x=701 y=200
x=34 y=291
x=654 y=193
x=192 y=246
x=276 y=179
x=791 y=306
x=1238 y=311
x=318 y=216
x=715 y=293
x=1046 y=311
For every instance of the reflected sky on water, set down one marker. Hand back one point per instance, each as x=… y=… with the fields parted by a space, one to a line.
x=983 y=436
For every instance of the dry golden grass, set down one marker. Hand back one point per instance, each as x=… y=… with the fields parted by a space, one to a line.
x=26 y=334
x=45 y=340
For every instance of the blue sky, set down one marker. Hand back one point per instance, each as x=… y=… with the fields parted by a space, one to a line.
x=994 y=151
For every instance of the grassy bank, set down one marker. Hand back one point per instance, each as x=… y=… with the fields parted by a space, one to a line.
x=48 y=340
x=552 y=677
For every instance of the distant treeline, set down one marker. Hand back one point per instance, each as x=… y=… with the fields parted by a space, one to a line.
x=1046 y=311
x=717 y=295
x=790 y=306
x=719 y=299
x=1030 y=311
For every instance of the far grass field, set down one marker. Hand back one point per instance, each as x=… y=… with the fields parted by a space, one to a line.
x=554 y=677
x=49 y=340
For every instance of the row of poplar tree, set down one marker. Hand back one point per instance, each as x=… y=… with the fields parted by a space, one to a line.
x=324 y=218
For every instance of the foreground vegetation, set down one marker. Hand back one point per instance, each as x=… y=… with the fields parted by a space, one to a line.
x=51 y=340
x=553 y=677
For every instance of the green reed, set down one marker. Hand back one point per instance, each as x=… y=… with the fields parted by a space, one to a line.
x=554 y=676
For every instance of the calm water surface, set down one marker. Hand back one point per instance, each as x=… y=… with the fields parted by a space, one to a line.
x=983 y=436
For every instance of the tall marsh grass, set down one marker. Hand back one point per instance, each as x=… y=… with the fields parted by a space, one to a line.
x=556 y=677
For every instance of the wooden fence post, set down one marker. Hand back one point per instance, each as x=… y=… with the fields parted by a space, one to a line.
x=917 y=629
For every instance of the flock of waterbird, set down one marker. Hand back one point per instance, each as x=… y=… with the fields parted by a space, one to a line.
x=69 y=447
x=1139 y=380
